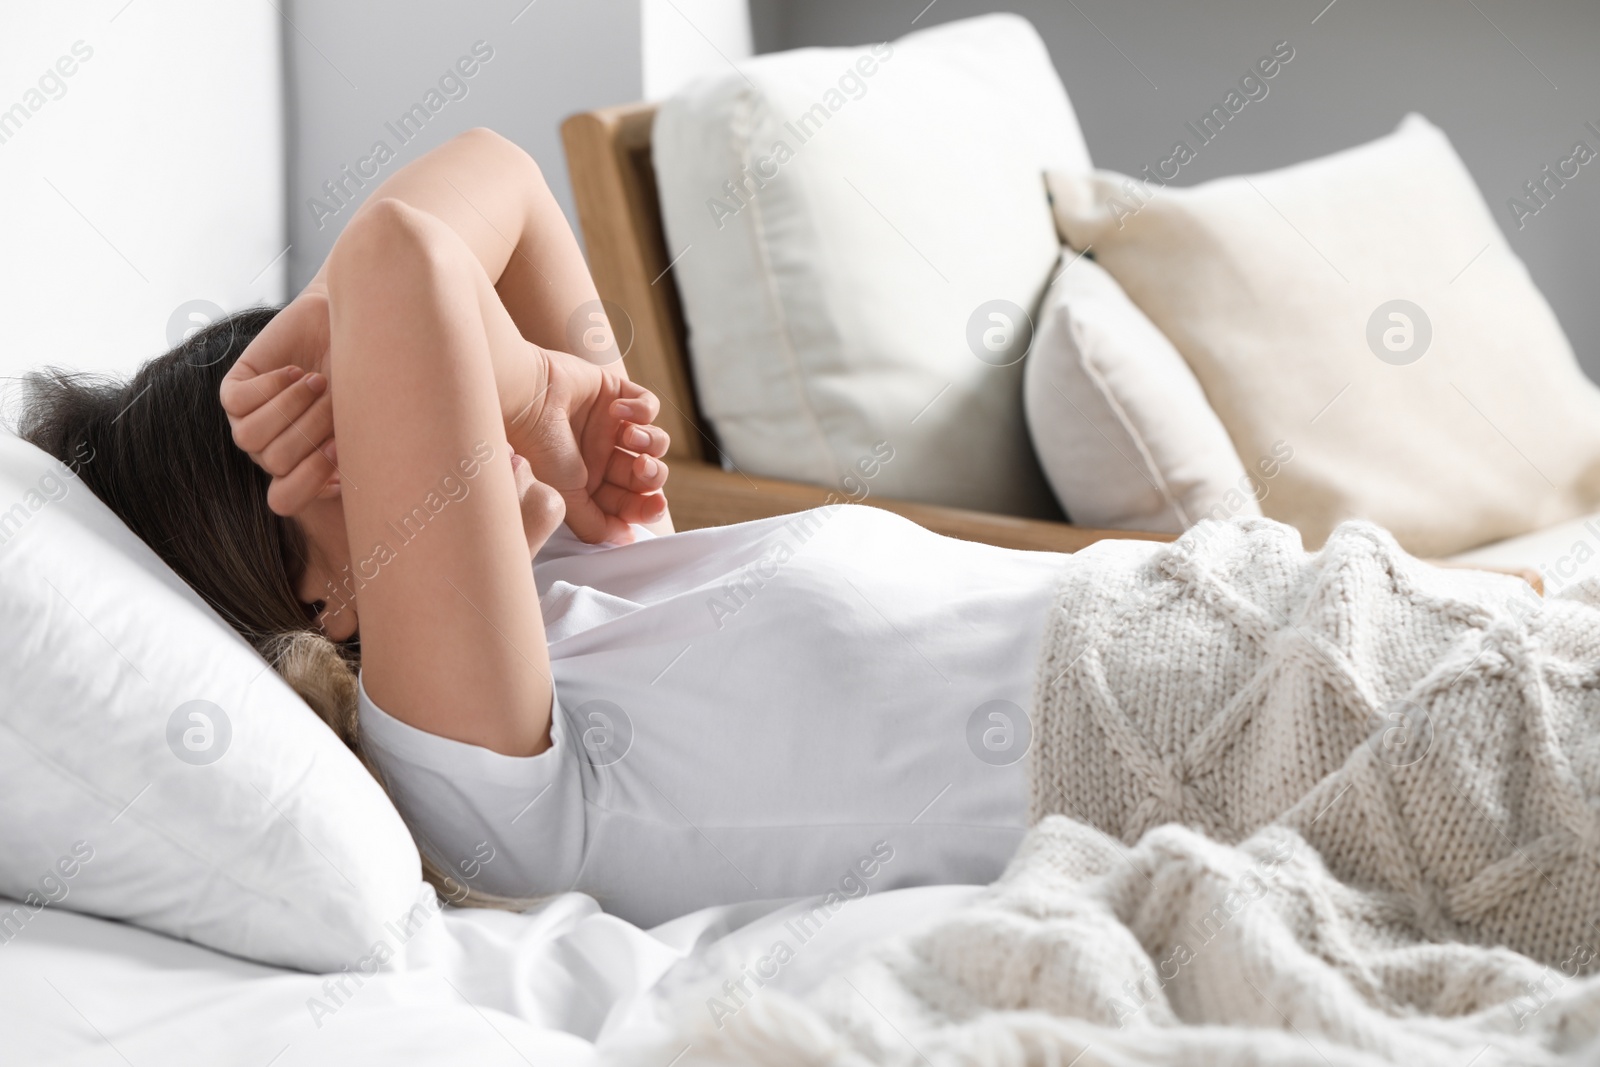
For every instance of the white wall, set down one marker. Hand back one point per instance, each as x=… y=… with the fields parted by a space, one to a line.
x=162 y=174
x=148 y=178
x=683 y=39
x=356 y=65
x=1513 y=85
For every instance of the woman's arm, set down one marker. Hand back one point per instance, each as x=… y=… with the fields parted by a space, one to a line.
x=492 y=195
x=452 y=640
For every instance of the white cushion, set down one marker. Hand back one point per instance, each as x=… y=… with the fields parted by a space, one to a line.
x=1304 y=299
x=1122 y=429
x=830 y=309
x=259 y=834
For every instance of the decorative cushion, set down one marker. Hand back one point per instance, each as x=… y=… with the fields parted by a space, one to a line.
x=1365 y=309
x=1121 y=427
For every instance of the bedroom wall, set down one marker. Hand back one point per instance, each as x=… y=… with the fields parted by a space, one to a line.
x=356 y=66
x=683 y=39
x=1512 y=84
x=140 y=176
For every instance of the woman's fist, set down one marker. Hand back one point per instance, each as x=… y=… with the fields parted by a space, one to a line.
x=280 y=406
x=588 y=434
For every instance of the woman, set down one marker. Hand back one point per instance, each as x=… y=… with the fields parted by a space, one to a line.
x=826 y=701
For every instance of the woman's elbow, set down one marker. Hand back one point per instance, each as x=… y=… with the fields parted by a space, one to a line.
x=503 y=152
x=386 y=236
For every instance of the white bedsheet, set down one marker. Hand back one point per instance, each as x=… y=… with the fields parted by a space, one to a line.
x=565 y=984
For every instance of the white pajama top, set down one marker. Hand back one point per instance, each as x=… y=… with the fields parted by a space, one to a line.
x=753 y=711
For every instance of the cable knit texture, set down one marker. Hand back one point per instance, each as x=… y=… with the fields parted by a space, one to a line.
x=1297 y=809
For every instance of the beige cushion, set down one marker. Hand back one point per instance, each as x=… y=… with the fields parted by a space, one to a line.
x=1277 y=290
x=1121 y=428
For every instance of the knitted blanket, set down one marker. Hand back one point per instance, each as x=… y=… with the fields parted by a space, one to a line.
x=1296 y=809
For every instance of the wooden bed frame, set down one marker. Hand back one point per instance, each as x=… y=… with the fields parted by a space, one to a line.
x=614 y=184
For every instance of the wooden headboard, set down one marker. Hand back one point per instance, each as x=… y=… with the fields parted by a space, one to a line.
x=614 y=185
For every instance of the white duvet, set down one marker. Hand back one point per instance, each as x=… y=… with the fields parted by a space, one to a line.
x=566 y=984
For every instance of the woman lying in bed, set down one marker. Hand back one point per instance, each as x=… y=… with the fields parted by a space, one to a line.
x=825 y=701
x=829 y=701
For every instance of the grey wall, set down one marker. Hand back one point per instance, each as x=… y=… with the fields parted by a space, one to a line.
x=354 y=65
x=1512 y=84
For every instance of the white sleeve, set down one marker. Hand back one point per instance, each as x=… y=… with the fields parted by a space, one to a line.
x=509 y=825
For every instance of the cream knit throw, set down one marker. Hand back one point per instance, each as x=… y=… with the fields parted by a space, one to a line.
x=1362 y=795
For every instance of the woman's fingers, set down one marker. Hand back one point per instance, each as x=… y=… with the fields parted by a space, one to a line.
x=636 y=404
x=638 y=474
x=644 y=509
x=288 y=495
x=247 y=386
x=591 y=521
x=279 y=406
x=632 y=508
x=288 y=426
x=274 y=410
x=647 y=440
x=303 y=436
x=243 y=395
x=296 y=336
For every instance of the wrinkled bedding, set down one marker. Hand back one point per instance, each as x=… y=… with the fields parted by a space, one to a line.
x=1324 y=809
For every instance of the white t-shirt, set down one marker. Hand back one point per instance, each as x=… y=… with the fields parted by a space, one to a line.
x=832 y=700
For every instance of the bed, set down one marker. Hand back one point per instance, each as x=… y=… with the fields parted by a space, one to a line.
x=561 y=983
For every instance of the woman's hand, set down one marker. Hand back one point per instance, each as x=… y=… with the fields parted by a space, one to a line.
x=542 y=507
x=588 y=434
x=280 y=406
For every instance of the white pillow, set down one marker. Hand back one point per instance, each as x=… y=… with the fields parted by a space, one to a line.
x=1122 y=429
x=1365 y=309
x=265 y=838
x=831 y=308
